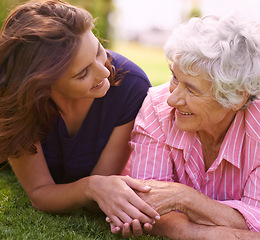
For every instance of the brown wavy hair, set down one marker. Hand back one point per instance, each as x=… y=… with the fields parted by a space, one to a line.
x=38 y=41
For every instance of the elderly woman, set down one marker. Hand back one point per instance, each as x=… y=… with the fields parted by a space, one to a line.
x=200 y=134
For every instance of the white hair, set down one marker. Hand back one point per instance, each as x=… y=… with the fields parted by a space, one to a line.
x=226 y=50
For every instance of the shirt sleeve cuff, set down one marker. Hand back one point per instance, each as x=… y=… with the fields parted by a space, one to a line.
x=249 y=212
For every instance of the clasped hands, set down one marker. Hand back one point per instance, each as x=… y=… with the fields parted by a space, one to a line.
x=183 y=208
x=163 y=197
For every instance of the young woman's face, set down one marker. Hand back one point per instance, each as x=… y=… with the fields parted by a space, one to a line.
x=87 y=76
x=196 y=109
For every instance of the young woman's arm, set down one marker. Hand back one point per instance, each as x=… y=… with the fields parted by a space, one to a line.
x=33 y=174
x=116 y=153
x=114 y=194
x=112 y=161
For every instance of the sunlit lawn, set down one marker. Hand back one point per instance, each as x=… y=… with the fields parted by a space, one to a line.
x=19 y=220
x=151 y=59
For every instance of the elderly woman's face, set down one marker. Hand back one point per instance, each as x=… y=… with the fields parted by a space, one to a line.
x=196 y=110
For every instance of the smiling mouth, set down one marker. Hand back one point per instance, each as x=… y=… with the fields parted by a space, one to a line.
x=97 y=85
x=185 y=113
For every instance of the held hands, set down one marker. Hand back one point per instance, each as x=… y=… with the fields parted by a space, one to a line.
x=116 y=197
x=213 y=219
x=164 y=197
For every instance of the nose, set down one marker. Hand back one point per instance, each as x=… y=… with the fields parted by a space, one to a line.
x=177 y=97
x=102 y=70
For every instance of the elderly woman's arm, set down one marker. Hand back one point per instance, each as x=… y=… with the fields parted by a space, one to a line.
x=176 y=225
x=199 y=208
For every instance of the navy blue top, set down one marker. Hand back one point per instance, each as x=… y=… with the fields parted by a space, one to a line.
x=71 y=158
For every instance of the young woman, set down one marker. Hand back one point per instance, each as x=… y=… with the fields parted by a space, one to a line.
x=67 y=109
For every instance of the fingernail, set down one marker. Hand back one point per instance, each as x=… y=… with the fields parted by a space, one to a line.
x=147 y=187
x=157 y=217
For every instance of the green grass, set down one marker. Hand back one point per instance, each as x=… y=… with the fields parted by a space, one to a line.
x=19 y=220
x=151 y=59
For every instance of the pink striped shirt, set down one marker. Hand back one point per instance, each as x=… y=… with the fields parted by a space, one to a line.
x=162 y=152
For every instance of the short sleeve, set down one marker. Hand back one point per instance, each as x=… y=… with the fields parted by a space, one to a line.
x=134 y=98
x=133 y=88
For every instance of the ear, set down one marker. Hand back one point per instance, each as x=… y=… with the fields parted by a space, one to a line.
x=236 y=107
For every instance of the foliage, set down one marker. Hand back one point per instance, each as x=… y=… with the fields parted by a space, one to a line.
x=195 y=12
x=100 y=10
x=6 y=6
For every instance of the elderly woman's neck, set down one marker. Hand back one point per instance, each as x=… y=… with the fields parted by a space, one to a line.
x=210 y=145
x=215 y=135
x=212 y=139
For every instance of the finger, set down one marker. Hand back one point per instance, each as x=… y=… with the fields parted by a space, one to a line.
x=126 y=231
x=143 y=211
x=130 y=211
x=133 y=208
x=137 y=228
x=116 y=221
x=122 y=217
x=137 y=184
x=114 y=229
x=125 y=217
x=147 y=227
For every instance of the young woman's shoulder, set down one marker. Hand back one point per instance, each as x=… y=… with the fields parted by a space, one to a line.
x=129 y=68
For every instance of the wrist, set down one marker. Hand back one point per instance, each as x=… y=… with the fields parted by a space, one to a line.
x=185 y=198
x=94 y=185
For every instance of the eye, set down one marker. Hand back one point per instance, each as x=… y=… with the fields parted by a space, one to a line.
x=84 y=74
x=192 y=91
x=100 y=50
x=174 y=79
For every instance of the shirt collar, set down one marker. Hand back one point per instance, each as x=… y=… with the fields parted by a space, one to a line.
x=231 y=148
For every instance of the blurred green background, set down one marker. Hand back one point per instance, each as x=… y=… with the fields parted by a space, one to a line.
x=98 y=8
x=150 y=58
